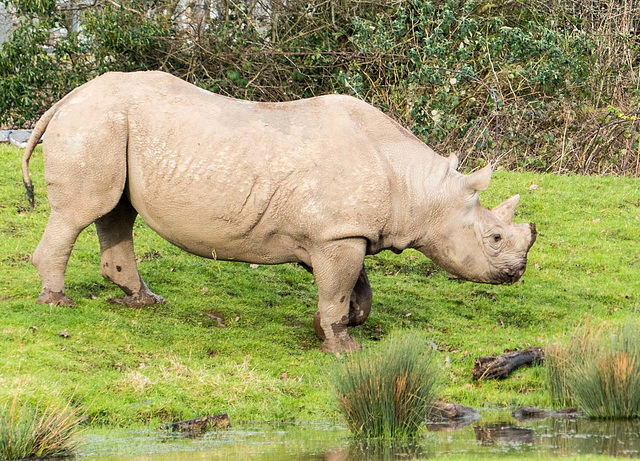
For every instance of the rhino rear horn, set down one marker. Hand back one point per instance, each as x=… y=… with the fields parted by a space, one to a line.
x=479 y=180
x=453 y=162
x=506 y=209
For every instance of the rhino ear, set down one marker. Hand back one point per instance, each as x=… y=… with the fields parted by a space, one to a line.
x=453 y=162
x=479 y=180
x=506 y=209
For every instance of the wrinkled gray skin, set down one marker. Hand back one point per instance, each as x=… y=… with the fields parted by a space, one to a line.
x=321 y=182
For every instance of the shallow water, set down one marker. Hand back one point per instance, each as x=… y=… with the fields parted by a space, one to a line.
x=495 y=434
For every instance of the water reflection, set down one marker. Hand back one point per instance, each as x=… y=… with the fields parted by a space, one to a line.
x=585 y=436
x=378 y=450
x=503 y=436
x=503 y=433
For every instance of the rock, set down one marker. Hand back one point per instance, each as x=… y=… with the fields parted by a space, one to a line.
x=527 y=414
x=448 y=410
x=530 y=414
x=447 y=416
x=18 y=138
x=198 y=426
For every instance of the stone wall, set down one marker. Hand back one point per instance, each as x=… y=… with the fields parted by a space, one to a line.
x=8 y=21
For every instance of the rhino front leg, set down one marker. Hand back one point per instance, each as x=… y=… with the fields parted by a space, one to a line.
x=118 y=263
x=359 y=304
x=336 y=268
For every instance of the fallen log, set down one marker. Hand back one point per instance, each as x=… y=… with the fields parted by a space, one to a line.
x=499 y=367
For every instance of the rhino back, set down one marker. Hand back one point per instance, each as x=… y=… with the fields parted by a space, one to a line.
x=252 y=181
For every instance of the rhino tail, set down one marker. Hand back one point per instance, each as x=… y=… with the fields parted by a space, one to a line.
x=36 y=134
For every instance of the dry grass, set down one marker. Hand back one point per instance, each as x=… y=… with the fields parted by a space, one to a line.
x=388 y=392
x=599 y=371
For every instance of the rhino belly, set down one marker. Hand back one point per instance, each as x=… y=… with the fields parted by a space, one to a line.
x=212 y=207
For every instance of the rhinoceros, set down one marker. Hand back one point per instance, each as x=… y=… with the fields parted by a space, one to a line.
x=322 y=182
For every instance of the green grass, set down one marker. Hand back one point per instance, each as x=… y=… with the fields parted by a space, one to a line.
x=170 y=362
x=387 y=392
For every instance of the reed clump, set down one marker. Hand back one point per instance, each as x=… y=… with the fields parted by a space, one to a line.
x=28 y=433
x=388 y=391
x=599 y=371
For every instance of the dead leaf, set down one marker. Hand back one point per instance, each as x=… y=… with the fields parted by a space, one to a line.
x=533 y=187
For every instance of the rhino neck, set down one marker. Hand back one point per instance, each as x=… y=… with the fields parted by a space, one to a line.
x=422 y=188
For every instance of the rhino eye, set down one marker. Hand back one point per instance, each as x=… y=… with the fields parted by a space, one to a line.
x=497 y=237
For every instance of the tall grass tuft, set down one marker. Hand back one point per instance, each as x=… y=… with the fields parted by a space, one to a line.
x=599 y=372
x=25 y=432
x=388 y=391
x=556 y=363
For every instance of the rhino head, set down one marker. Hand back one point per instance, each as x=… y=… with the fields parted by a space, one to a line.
x=475 y=243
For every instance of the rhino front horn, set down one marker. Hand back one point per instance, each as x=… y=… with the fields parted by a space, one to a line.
x=506 y=209
x=479 y=180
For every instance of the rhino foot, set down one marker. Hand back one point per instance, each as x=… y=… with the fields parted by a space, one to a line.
x=139 y=300
x=343 y=344
x=54 y=298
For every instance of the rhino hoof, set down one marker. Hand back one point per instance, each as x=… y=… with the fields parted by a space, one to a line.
x=139 y=300
x=54 y=298
x=344 y=344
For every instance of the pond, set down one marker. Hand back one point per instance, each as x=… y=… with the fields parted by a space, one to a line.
x=495 y=434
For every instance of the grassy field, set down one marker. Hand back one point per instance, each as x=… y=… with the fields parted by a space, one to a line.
x=240 y=340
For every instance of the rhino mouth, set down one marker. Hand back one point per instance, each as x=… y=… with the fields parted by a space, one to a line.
x=511 y=275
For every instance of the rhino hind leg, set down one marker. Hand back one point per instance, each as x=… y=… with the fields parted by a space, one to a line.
x=51 y=256
x=361 y=298
x=359 y=304
x=337 y=268
x=118 y=263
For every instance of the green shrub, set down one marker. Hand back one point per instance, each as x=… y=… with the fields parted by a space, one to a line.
x=29 y=433
x=388 y=391
x=546 y=87
x=599 y=371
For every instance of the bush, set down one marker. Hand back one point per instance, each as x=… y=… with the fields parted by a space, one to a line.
x=546 y=86
x=599 y=371
x=388 y=391
x=28 y=433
